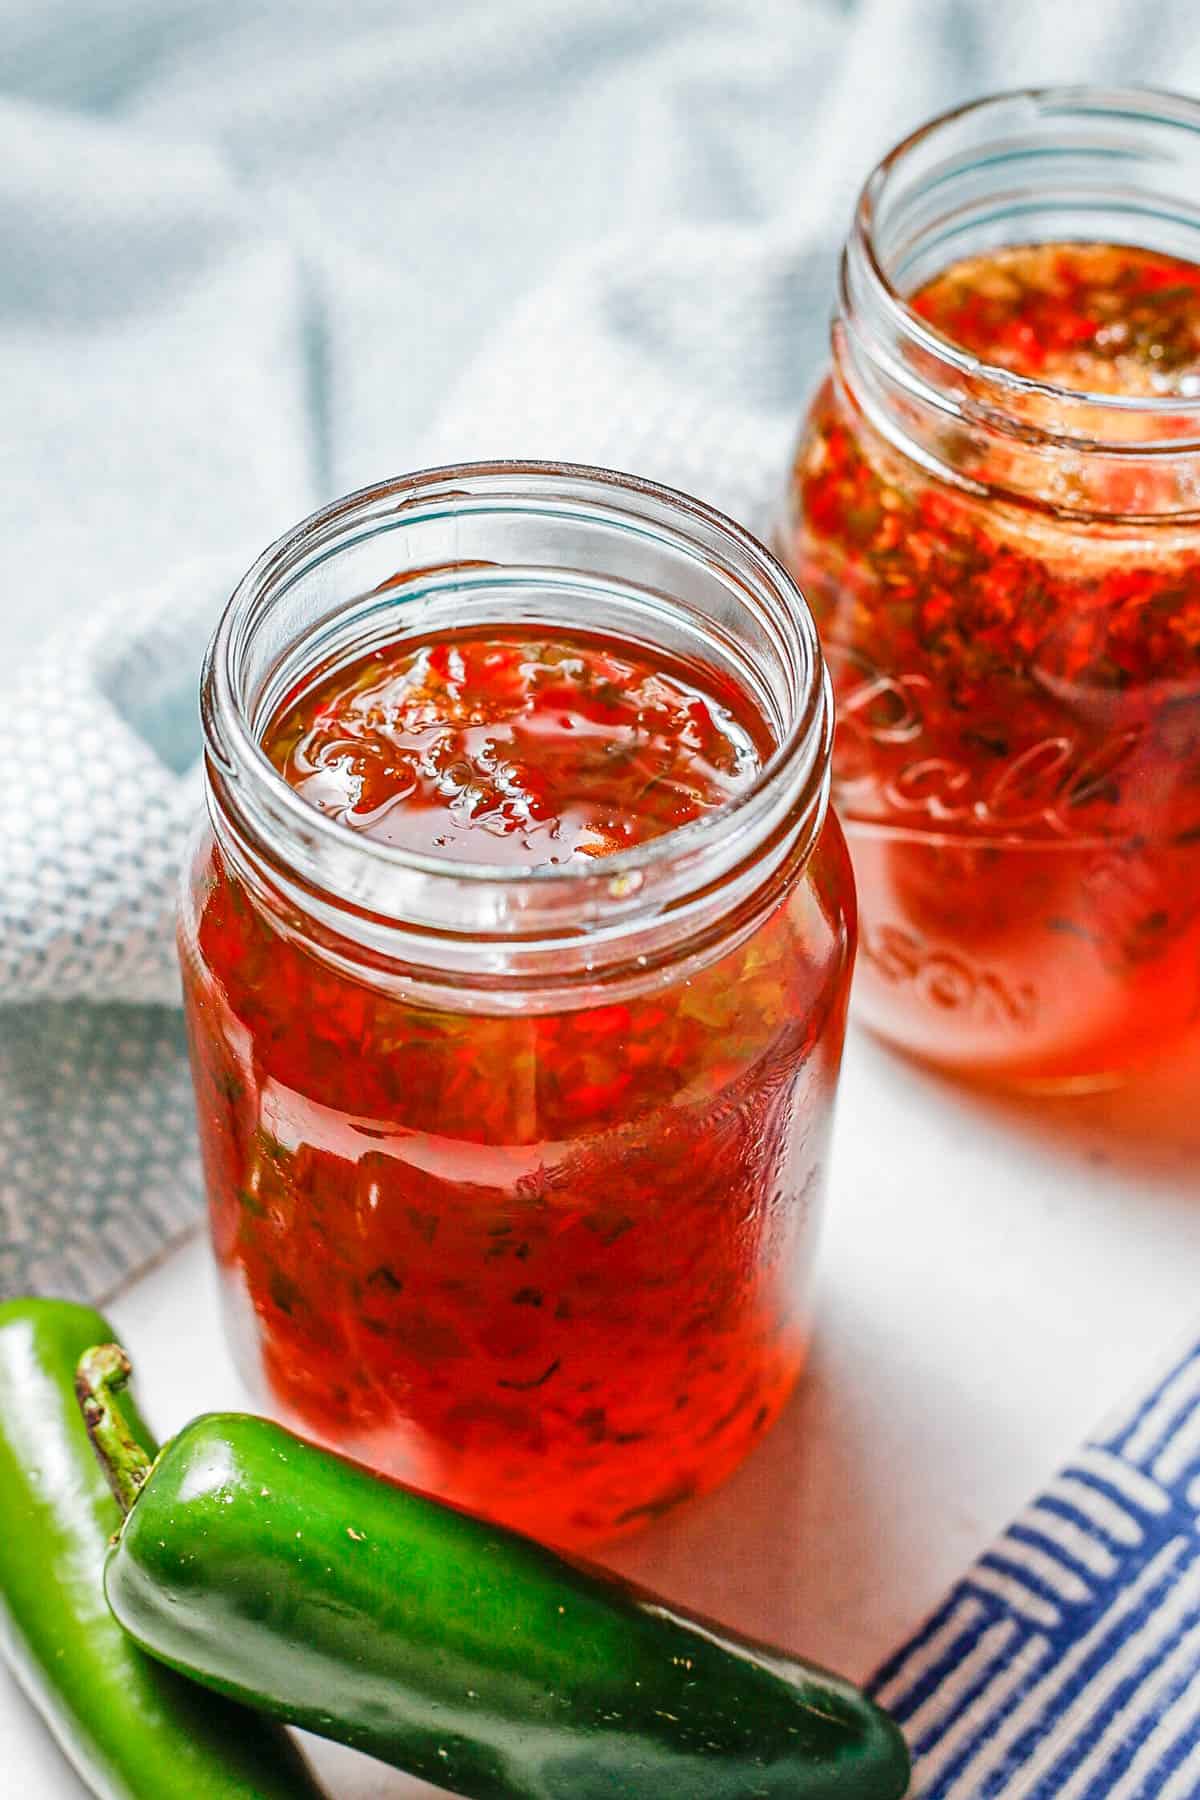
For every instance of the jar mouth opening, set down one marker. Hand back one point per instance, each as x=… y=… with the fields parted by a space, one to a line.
x=998 y=390
x=251 y=786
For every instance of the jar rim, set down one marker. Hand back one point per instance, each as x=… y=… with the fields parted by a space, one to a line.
x=798 y=767
x=863 y=264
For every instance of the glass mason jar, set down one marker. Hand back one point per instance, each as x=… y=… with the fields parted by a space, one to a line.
x=515 y=1174
x=1006 y=576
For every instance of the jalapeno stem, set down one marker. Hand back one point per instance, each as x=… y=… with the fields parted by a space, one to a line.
x=103 y=1371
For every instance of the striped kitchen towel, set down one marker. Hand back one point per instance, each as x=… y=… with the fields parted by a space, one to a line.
x=1066 y=1665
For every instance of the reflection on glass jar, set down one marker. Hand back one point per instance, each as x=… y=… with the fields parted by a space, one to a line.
x=994 y=511
x=516 y=954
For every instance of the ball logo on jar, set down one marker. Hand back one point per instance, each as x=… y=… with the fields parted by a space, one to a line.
x=1057 y=785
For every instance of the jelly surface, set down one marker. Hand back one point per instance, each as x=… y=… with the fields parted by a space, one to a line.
x=1090 y=318
x=514 y=749
x=550 y=1261
x=1019 y=743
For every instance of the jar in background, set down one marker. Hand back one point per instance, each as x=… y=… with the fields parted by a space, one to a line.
x=515 y=1173
x=994 y=512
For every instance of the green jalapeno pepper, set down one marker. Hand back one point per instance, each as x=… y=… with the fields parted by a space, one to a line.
x=300 y=1583
x=133 y=1730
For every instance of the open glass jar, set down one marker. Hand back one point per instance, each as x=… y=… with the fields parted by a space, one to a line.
x=994 y=511
x=515 y=1172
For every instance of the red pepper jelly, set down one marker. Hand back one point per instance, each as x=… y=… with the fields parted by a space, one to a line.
x=517 y=749
x=995 y=513
x=516 y=958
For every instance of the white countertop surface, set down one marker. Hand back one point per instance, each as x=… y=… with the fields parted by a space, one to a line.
x=995 y=1276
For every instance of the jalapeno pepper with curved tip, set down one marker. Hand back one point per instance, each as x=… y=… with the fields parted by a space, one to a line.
x=133 y=1730
x=301 y=1583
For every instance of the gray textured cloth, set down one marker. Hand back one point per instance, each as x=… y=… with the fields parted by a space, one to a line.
x=257 y=255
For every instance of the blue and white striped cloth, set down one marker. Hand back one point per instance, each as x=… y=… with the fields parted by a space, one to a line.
x=1066 y=1665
